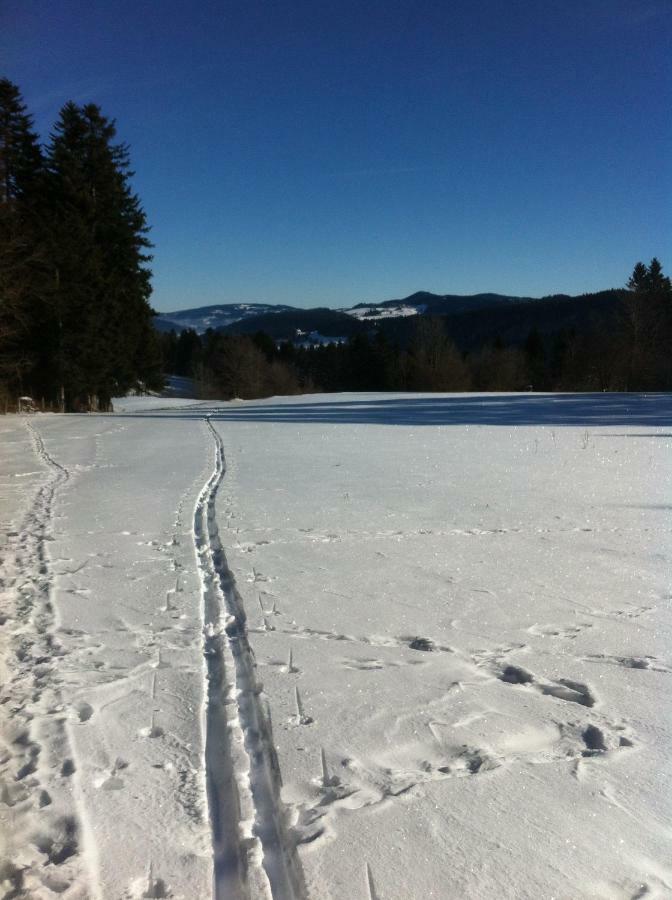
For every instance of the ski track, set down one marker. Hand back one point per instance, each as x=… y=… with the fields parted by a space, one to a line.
x=254 y=852
x=39 y=784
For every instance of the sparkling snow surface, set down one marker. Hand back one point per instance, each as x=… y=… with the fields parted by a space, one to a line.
x=459 y=608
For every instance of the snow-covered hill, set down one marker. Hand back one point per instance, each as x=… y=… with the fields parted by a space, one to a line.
x=376 y=313
x=219 y=316
x=229 y=314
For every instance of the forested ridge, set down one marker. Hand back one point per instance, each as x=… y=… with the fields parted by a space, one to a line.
x=623 y=344
x=76 y=325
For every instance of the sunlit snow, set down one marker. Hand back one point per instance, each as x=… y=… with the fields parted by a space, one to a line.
x=375 y=313
x=338 y=646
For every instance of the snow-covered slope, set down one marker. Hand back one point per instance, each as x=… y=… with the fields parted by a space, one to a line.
x=375 y=313
x=202 y=318
x=344 y=646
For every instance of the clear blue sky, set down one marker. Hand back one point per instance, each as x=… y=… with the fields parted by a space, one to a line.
x=326 y=153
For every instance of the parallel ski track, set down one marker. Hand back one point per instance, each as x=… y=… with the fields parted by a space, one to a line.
x=254 y=854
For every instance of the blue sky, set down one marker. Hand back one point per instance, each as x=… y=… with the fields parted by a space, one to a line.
x=327 y=153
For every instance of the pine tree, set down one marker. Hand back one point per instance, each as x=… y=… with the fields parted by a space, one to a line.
x=646 y=331
x=20 y=155
x=101 y=315
x=21 y=257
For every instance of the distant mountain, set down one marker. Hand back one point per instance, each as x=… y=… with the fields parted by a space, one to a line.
x=423 y=302
x=246 y=318
x=470 y=320
x=215 y=317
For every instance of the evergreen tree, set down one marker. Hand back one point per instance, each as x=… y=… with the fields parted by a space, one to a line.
x=21 y=257
x=101 y=317
x=188 y=353
x=646 y=332
x=20 y=155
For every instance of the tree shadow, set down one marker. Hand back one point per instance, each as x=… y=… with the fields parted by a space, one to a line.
x=586 y=410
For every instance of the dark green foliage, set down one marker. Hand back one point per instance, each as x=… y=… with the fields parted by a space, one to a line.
x=265 y=343
x=279 y=325
x=187 y=354
x=99 y=249
x=21 y=254
x=646 y=329
x=20 y=155
x=88 y=324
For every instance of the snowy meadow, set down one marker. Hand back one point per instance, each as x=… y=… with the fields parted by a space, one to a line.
x=375 y=646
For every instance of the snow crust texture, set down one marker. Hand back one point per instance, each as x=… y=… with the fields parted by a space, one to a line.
x=340 y=647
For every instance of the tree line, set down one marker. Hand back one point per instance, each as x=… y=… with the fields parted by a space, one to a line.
x=75 y=319
x=628 y=351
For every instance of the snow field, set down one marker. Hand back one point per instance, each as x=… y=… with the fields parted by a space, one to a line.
x=338 y=646
x=524 y=753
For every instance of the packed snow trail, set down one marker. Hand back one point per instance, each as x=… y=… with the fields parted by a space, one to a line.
x=39 y=768
x=254 y=856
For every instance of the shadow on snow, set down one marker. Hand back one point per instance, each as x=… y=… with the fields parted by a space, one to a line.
x=587 y=410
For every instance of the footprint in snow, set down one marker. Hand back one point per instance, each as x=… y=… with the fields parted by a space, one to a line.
x=651 y=663
x=561 y=689
x=84 y=711
x=559 y=631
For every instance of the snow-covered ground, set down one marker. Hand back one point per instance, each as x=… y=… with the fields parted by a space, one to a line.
x=345 y=646
x=204 y=317
x=375 y=313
